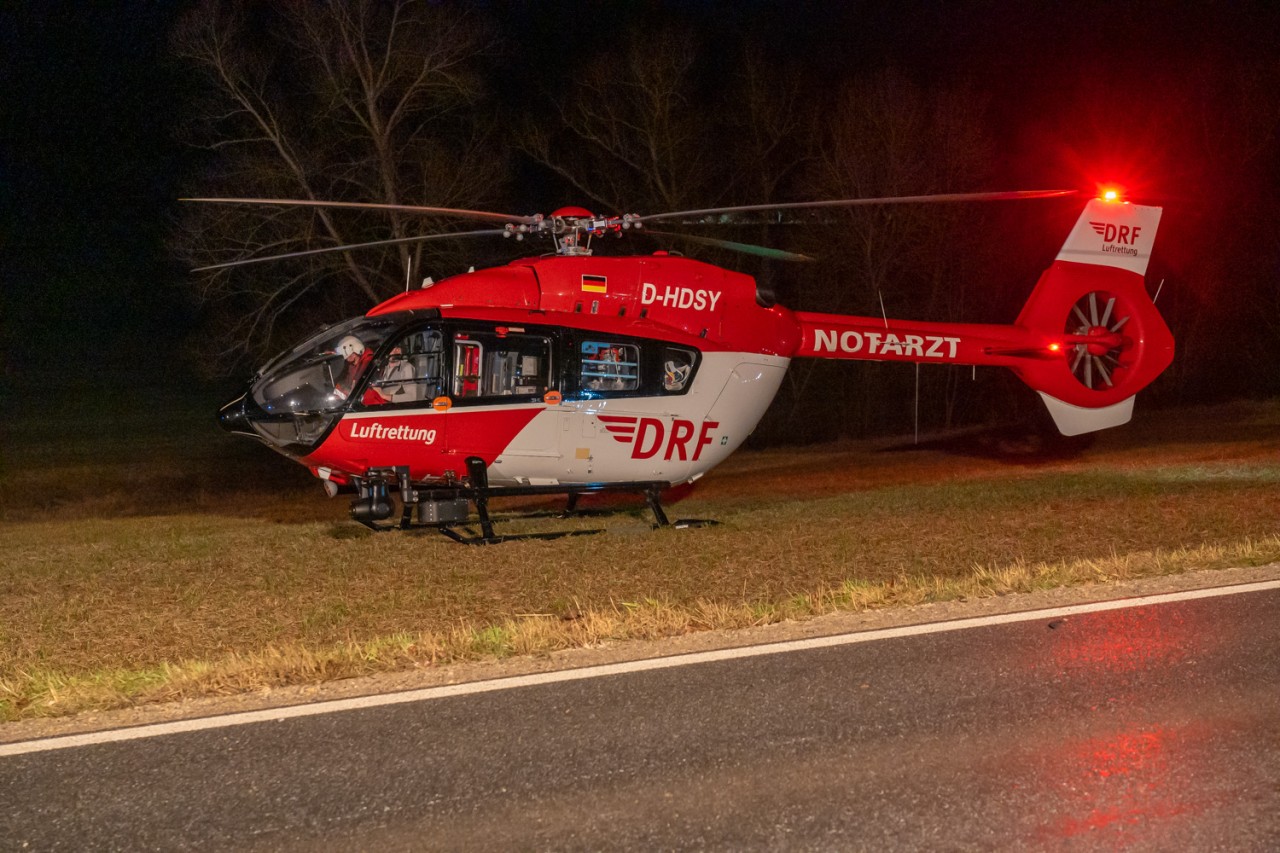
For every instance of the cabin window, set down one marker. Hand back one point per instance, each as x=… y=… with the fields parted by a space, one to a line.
x=501 y=364
x=677 y=369
x=467 y=355
x=609 y=366
x=412 y=371
x=613 y=367
x=517 y=366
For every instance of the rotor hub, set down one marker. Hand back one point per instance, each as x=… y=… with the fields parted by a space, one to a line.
x=1103 y=341
x=1096 y=336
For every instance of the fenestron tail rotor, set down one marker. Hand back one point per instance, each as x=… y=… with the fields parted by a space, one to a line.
x=1097 y=362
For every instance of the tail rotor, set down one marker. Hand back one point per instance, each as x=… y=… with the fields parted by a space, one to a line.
x=1098 y=363
x=1114 y=342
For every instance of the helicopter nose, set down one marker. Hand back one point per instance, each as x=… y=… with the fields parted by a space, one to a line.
x=234 y=418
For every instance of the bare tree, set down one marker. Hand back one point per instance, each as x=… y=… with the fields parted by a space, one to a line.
x=630 y=133
x=766 y=118
x=1199 y=138
x=361 y=101
x=884 y=136
x=1220 y=255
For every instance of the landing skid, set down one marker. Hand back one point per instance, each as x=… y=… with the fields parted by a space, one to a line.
x=446 y=508
x=474 y=538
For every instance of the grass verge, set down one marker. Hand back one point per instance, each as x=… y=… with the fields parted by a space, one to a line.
x=120 y=606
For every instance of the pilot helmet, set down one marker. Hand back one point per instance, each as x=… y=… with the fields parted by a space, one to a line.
x=349 y=346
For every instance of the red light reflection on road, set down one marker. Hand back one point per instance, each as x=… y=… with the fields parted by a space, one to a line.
x=1127 y=787
x=1121 y=786
x=1121 y=641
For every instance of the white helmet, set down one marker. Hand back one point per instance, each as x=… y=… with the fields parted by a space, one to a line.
x=349 y=346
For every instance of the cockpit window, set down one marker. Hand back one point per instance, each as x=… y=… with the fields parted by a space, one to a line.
x=412 y=371
x=320 y=374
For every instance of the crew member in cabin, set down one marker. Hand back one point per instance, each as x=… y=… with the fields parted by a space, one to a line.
x=355 y=358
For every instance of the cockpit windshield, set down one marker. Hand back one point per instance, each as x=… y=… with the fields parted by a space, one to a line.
x=320 y=374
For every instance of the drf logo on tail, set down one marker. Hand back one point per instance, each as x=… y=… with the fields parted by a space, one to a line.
x=647 y=436
x=1116 y=233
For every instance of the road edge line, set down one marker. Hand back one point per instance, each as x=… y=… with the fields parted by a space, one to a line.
x=334 y=706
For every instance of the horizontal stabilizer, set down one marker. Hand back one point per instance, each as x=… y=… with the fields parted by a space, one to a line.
x=1076 y=420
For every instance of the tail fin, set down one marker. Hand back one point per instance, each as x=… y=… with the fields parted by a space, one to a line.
x=1094 y=297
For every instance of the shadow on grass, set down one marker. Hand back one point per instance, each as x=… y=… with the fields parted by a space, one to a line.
x=1018 y=444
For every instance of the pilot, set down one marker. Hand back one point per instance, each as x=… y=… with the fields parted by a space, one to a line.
x=355 y=358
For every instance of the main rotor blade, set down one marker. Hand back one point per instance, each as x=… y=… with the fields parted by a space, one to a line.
x=744 y=248
x=396 y=242
x=482 y=215
x=859 y=202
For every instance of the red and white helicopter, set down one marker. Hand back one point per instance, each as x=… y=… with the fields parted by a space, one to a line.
x=572 y=373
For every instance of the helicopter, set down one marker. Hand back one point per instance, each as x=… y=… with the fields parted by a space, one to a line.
x=571 y=373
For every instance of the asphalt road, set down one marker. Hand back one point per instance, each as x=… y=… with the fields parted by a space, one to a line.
x=1155 y=727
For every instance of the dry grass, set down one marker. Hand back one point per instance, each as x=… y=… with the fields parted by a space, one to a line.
x=235 y=589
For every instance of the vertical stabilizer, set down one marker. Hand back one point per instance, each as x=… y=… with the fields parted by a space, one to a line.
x=1113 y=234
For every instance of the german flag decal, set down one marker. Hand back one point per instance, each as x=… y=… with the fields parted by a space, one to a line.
x=595 y=284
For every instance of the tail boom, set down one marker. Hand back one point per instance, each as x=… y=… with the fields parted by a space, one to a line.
x=1088 y=339
x=873 y=339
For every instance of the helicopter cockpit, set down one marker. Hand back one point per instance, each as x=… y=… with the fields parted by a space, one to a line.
x=320 y=374
x=296 y=398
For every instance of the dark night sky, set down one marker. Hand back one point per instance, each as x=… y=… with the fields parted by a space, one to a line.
x=89 y=168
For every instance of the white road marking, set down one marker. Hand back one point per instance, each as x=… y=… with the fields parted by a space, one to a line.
x=514 y=682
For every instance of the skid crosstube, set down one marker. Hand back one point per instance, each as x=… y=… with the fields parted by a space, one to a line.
x=372 y=506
